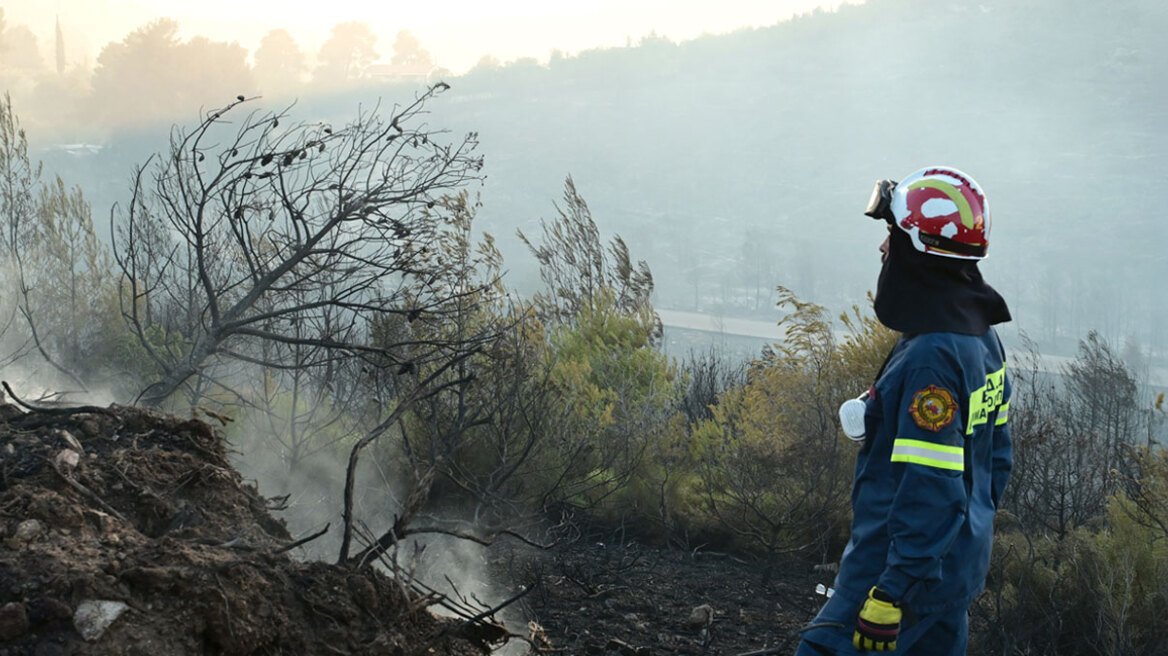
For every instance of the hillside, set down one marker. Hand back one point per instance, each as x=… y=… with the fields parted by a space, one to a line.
x=732 y=163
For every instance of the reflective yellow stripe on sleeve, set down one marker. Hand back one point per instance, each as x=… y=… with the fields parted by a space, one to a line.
x=928 y=454
x=1003 y=414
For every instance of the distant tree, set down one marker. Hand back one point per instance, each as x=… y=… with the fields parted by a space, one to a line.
x=213 y=70
x=653 y=39
x=133 y=77
x=279 y=63
x=72 y=295
x=1103 y=401
x=525 y=64
x=578 y=271
x=59 y=294
x=20 y=50
x=408 y=51
x=59 y=51
x=346 y=54
x=487 y=63
x=757 y=264
x=19 y=180
x=1071 y=435
x=151 y=76
x=20 y=61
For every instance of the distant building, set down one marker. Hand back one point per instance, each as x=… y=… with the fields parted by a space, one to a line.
x=418 y=72
x=76 y=150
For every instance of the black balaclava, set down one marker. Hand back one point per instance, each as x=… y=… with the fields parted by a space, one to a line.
x=922 y=293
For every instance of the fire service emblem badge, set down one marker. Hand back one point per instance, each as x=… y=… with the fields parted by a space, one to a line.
x=933 y=408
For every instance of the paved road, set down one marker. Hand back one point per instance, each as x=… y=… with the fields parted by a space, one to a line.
x=770 y=331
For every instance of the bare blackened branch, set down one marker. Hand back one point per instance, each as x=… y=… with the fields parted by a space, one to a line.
x=250 y=233
x=302 y=541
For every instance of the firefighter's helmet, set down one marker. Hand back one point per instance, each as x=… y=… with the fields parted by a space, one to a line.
x=942 y=210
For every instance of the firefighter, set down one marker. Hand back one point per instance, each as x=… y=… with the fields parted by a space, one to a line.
x=936 y=451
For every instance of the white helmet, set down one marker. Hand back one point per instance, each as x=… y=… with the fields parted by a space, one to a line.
x=942 y=210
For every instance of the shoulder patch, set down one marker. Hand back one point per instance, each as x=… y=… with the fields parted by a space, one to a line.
x=933 y=408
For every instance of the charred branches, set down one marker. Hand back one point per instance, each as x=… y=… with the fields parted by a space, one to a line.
x=281 y=244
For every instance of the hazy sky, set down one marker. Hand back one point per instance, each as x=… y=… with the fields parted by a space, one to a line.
x=457 y=32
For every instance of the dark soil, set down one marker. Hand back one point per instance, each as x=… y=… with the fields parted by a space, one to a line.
x=599 y=598
x=139 y=518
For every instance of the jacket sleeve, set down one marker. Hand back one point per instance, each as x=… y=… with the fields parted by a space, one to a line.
x=928 y=460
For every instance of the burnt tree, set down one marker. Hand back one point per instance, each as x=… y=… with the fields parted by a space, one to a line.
x=252 y=231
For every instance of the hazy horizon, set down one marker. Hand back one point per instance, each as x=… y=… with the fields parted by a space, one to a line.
x=709 y=157
x=457 y=32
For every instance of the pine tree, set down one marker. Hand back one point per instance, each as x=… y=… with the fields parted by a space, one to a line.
x=60 y=49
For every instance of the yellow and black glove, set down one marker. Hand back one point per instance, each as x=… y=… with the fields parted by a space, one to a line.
x=878 y=624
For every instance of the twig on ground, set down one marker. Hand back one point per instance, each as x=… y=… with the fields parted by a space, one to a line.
x=494 y=632
x=233 y=541
x=302 y=541
x=57 y=411
x=395 y=534
x=523 y=592
x=226 y=605
x=140 y=488
x=86 y=492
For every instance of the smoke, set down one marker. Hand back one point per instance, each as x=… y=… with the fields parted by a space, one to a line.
x=470 y=575
x=474 y=574
x=314 y=485
x=30 y=374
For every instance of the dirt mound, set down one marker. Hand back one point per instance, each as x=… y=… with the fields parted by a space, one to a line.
x=127 y=532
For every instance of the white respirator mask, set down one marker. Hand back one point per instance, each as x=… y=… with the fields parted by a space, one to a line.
x=851 y=416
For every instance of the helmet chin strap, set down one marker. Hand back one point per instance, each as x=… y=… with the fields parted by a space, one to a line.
x=946 y=244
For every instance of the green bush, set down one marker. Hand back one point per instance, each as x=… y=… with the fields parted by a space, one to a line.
x=775 y=470
x=1094 y=591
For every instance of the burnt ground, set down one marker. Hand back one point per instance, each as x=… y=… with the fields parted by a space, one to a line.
x=598 y=598
x=124 y=532
x=127 y=533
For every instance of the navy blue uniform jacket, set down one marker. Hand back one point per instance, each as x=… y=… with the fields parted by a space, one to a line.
x=931 y=472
